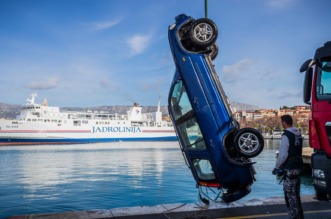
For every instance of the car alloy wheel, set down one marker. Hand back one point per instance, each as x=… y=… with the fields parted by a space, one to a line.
x=203 y=33
x=248 y=142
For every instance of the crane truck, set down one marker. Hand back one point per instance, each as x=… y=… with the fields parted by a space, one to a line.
x=317 y=93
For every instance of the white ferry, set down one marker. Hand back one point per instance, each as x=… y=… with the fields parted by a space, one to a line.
x=43 y=124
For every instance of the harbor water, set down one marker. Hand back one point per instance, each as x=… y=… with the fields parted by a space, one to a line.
x=59 y=178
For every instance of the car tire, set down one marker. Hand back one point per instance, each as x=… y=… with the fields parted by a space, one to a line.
x=321 y=196
x=203 y=33
x=248 y=142
x=214 y=51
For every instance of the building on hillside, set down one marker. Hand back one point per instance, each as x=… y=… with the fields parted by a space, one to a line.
x=242 y=116
x=300 y=112
x=301 y=108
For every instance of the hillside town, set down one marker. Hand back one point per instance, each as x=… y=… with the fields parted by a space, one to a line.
x=268 y=120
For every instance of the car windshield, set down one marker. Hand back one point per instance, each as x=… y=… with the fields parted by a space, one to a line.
x=186 y=121
x=204 y=169
x=323 y=88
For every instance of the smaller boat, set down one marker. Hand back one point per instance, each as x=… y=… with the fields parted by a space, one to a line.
x=276 y=134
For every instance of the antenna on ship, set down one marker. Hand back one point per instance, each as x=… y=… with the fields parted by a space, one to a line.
x=31 y=101
x=159 y=104
x=45 y=102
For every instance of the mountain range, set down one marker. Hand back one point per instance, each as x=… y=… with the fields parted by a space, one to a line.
x=10 y=111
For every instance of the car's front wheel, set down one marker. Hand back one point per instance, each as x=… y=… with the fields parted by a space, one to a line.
x=203 y=33
x=248 y=142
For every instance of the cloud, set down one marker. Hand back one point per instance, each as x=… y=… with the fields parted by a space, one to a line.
x=104 y=83
x=232 y=72
x=99 y=26
x=269 y=74
x=286 y=95
x=43 y=85
x=152 y=85
x=280 y=3
x=138 y=43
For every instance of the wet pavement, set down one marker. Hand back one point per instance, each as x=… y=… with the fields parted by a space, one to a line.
x=272 y=208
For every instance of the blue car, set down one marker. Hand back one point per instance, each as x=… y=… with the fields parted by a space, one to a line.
x=214 y=146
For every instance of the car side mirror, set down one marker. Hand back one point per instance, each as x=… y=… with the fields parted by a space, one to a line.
x=307 y=64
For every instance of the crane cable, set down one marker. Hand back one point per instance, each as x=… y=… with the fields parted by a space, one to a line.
x=206 y=8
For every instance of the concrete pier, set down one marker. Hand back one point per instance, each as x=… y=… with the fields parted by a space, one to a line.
x=306 y=155
x=256 y=208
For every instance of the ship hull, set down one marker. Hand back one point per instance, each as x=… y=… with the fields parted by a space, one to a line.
x=31 y=133
x=21 y=141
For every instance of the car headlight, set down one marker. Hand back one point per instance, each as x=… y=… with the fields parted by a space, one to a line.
x=321 y=183
x=172 y=26
x=318 y=173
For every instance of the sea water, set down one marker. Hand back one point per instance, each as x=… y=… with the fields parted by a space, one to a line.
x=59 y=178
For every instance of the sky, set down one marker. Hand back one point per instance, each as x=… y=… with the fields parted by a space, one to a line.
x=84 y=53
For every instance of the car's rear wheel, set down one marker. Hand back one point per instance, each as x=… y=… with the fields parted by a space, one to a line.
x=248 y=142
x=203 y=33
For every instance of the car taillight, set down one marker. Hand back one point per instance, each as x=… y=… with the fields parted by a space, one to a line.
x=210 y=184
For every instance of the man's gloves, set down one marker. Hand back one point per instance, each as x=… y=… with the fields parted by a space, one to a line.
x=278 y=172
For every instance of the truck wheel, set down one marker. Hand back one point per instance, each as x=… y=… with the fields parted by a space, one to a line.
x=321 y=196
x=203 y=33
x=248 y=142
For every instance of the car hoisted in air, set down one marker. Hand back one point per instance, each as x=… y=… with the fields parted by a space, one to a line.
x=214 y=146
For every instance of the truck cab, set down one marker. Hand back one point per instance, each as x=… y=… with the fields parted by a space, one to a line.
x=317 y=93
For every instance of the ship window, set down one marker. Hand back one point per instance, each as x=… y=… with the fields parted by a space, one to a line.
x=85 y=122
x=53 y=120
x=204 y=169
x=77 y=123
x=29 y=119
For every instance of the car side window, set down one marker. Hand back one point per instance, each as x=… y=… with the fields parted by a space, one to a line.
x=180 y=103
x=190 y=130
x=186 y=121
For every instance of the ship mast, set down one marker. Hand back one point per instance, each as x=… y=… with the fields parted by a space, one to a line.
x=159 y=105
x=31 y=101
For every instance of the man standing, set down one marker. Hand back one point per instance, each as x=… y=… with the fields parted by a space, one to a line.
x=290 y=162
